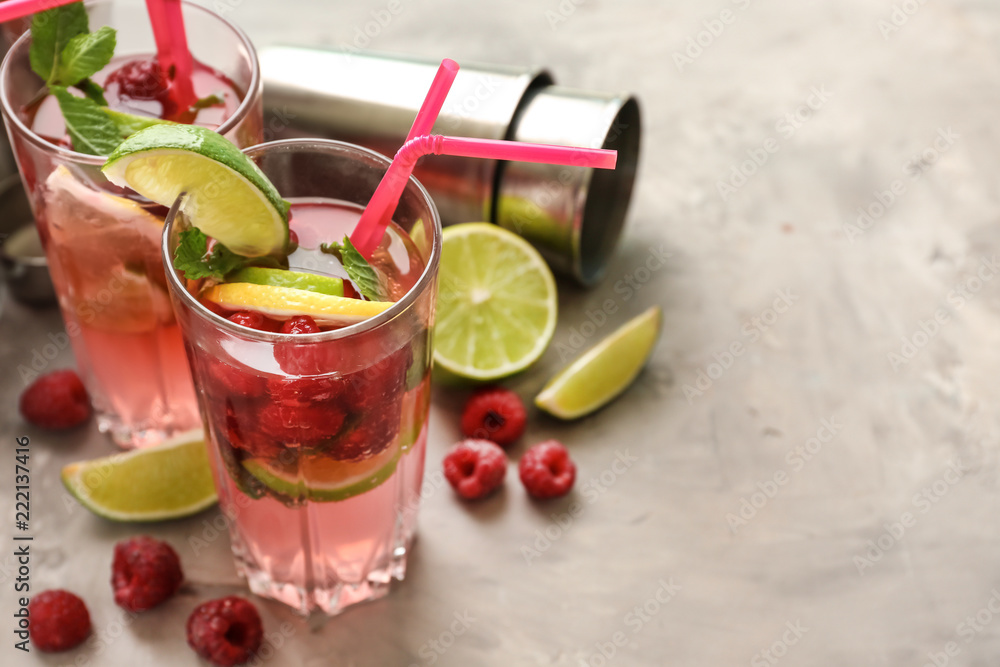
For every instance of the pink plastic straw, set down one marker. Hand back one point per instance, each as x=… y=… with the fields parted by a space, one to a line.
x=372 y=225
x=172 y=48
x=431 y=107
x=15 y=9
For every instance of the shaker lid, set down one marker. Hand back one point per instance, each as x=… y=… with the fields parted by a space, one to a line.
x=573 y=215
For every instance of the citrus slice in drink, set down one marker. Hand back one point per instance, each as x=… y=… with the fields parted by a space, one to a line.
x=321 y=478
x=604 y=371
x=496 y=303
x=281 y=303
x=168 y=481
x=311 y=282
x=227 y=195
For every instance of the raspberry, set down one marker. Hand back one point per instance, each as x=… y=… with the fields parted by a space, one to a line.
x=226 y=379
x=138 y=80
x=300 y=324
x=546 y=470
x=57 y=620
x=496 y=414
x=301 y=424
x=56 y=400
x=247 y=438
x=304 y=391
x=144 y=573
x=371 y=436
x=252 y=320
x=226 y=631
x=475 y=468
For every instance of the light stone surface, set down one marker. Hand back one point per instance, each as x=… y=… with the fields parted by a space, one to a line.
x=843 y=545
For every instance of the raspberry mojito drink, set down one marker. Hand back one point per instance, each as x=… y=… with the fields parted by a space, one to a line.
x=68 y=99
x=312 y=362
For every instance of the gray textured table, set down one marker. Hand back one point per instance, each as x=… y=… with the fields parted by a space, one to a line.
x=806 y=472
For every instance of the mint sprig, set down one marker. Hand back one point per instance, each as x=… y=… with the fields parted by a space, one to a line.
x=89 y=128
x=361 y=273
x=65 y=54
x=51 y=32
x=192 y=257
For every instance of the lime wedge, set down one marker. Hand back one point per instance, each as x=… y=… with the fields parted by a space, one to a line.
x=310 y=282
x=322 y=478
x=228 y=197
x=604 y=371
x=496 y=303
x=164 y=482
x=280 y=303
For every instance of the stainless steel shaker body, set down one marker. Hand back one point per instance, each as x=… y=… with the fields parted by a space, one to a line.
x=371 y=99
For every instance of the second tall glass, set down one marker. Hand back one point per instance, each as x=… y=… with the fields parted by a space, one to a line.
x=102 y=242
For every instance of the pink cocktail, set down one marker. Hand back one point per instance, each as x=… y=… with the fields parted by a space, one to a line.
x=318 y=439
x=102 y=242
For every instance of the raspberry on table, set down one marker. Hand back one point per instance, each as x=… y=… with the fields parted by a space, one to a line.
x=56 y=400
x=145 y=572
x=226 y=631
x=475 y=468
x=496 y=414
x=546 y=470
x=57 y=621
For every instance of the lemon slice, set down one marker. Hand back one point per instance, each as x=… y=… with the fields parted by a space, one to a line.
x=496 y=303
x=281 y=303
x=228 y=197
x=604 y=371
x=168 y=481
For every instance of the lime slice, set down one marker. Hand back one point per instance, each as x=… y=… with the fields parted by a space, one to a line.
x=310 y=282
x=604 y=371
x=228 y=197
x=496 y=303
x=280 y=303
x=164 y=482
x=322 y=478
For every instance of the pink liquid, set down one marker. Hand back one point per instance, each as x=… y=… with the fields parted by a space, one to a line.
x=319 y=459
x=104 y=254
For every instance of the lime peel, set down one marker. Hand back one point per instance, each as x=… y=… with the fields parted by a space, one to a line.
x=604 y=371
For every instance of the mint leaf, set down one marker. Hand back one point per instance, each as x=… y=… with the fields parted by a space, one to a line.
x=85 y=55
x=189 y=256
x=92 y=91
x=51 y=31
x=361 y=273
x=128 y=123
x=205 y=102
x=192 y=257
x=90 y=129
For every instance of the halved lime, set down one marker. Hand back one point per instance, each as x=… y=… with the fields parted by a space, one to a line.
x=280 y=303
x=228 y=197
x=310 y=282
x=164 y=482
x=496 y=303
x=323 y=479
x=604 y=371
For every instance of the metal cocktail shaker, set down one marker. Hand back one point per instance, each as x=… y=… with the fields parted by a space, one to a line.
x=573 y=215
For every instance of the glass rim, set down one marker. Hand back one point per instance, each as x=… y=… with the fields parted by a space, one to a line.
x=398 y=307
x=66 y=154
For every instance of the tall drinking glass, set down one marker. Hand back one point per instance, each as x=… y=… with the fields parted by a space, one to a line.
x=317 y=440
x=102 y=242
